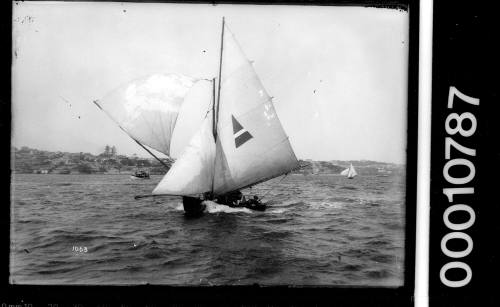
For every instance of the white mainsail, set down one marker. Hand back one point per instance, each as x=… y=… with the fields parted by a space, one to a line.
x=352 y=172
x=193 y=172
x=251 y=145
x=147 y=108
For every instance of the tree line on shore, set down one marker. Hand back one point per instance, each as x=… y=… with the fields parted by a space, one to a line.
x=30 y=160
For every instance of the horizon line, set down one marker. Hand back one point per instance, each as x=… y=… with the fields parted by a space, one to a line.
x=151 y=157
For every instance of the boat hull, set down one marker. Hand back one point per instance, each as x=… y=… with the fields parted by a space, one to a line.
x=193 y=206
x=249 y=205
x=257 y=207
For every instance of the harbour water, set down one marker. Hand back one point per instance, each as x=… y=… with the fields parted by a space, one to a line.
x=318 y=230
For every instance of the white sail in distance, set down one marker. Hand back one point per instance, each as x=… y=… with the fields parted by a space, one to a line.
x=251 y=146
x=352 y=172
x=345 y=172
x=147 y=108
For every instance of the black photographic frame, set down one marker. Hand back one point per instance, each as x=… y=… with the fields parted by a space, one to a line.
x=142 y=295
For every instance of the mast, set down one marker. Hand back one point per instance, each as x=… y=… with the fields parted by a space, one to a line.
x=215 y=106
x=214 y=124
x=220 y=72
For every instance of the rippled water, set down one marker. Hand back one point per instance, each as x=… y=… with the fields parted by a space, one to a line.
x=318 y=230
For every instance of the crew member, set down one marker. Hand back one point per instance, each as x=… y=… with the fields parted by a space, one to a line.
x=255 y=200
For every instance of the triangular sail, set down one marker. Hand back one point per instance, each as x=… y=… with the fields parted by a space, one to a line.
x=251 y=144
x=352 y=172
x=345 y=172
x=147 y=108
x=193 y=171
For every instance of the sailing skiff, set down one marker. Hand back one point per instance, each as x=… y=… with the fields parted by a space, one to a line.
x=349 y=172
x=240 y=143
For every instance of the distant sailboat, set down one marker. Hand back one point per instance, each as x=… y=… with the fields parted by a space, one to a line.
x=240 y=143
x=345 y=172
x=350 y=172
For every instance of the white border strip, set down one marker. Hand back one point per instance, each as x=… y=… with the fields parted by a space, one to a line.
x=424 y=154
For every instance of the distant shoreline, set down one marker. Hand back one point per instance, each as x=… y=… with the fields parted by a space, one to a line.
x=76 y=173
x=33 y=161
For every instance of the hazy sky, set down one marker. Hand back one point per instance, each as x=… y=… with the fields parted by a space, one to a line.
x=338 y=74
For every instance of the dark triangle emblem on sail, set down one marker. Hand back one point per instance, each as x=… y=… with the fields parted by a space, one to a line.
x=241 y=135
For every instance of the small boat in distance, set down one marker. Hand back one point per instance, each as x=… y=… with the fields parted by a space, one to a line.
x=140 y=174
x=349 y=172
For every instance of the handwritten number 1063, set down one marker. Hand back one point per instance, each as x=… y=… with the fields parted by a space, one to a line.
x=80 y=249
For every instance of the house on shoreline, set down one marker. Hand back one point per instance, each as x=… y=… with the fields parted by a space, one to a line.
x=33 y=161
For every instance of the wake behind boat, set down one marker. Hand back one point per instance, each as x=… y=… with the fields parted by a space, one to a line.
x=240 y=143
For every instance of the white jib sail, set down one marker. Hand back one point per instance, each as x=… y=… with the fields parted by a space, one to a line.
x=193 y=172
x=352 y=172
x=345 y=172
x=147 y=108
x=252 y=145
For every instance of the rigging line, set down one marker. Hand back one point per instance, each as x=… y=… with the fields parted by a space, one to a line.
x=123 y=129
x=173 y=123
x=160 y=138
x=214 y=123
x=210 y=108
x=64 y=99
x=216 y=107
x=163 y=163
x=248 y=186
x=293 y=169
x=270 y=189
x=220 y=71
x=214 y=132
x=137 y=197
x=156 y=138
